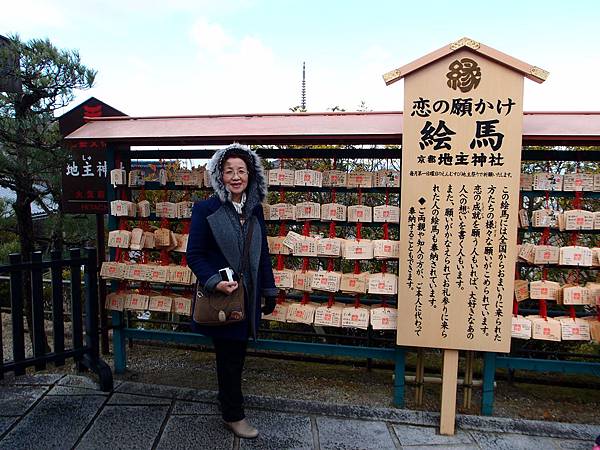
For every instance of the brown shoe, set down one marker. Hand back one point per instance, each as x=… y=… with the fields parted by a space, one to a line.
x=242 y=429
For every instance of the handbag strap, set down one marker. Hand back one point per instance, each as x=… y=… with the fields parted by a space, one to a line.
x=247 y=246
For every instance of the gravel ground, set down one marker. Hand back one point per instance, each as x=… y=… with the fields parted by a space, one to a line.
x=350 y=384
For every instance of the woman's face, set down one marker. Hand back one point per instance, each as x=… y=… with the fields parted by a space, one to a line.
x=235 y=176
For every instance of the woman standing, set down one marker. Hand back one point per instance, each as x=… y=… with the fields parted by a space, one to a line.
x=217 y=237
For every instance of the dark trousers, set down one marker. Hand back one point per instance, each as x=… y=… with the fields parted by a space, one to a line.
x=230 y=355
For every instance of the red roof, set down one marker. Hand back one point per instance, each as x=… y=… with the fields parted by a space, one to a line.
x=550 y=128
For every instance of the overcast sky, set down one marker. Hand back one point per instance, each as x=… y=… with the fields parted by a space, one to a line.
x=244 y=56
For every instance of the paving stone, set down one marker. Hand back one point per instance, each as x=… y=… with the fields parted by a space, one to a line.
x=444 y=447
x=38 y=379
x=15 y=400
x=197 y=395
x=125 y=427
x=413 y=435
x=184 y=407
x=279 y=431
x=72 y=390
x=79 y=381
x=195 y=432
x=508 y=441
x=346 y=434
x=130 y=399
x=573 y=444
x=55 y=423
x=155 y=390
x=6 y=422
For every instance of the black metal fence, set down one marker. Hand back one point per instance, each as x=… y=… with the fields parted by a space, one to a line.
x=27 y=275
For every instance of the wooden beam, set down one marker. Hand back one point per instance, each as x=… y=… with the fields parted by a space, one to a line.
x=449 y=376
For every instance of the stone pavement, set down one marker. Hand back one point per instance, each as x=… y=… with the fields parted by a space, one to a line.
x=47 y=411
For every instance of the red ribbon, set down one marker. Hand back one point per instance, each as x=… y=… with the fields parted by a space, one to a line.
x=358 y=231
x=578 y=201
x=572 y=312
x=356 y=267
x=386 y=231
x=305 y=298
x=331 y=300
x=306 y=228
x=165 y=259
x=357 y=301
x=574 y=238
x=515 y=307
x=305 y=264
x=330 y=265
x=280 y=264
x=280 y=297
x=545 y=236
x=332 y=229
x=543 y=309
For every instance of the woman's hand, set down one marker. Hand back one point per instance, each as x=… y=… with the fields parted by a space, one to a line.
x=227 y=287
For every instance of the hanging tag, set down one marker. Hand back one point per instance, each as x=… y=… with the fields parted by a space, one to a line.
x=333 y=211
x=353 y=317
x=329 y=316
x=387 y=178
x=279 y=314
x=360 y=213
x=384 y=317
x=337 y=178
x=544 y=181
x=118 y=177
x=526 y=181
x=182 y=305
x=521 y=328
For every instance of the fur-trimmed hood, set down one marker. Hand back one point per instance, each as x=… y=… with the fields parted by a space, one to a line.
x=257 y=184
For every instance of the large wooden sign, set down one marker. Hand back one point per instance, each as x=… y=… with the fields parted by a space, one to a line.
x=461 y=156
x=85 y=177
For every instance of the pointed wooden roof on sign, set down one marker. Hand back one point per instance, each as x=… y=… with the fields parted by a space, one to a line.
x=532 y=72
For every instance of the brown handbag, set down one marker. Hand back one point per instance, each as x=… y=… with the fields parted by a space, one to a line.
x=216 y=308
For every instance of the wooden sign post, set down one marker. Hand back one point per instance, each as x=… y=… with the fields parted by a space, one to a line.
x=461 y=160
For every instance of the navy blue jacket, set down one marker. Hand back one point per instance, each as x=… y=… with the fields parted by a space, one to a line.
x=213 y=245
